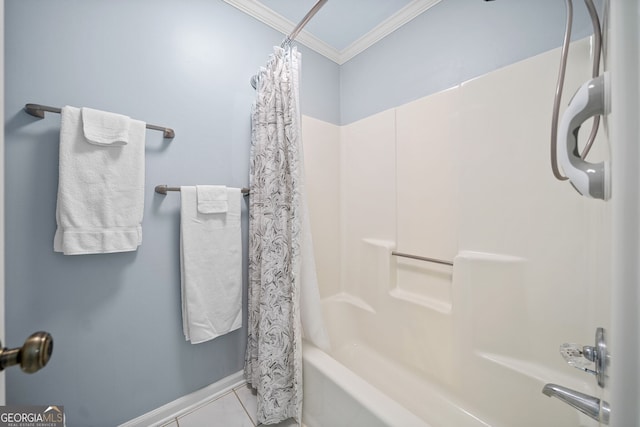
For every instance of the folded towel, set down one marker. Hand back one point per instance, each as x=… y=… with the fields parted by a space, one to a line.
x=211 y=267
x=104 y=128
x=100 y=190
x=212 y=198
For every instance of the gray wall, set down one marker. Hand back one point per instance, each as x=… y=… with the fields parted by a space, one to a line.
x=119 y=349
x=454 y=41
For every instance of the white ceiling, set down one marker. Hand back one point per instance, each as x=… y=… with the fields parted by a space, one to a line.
x=342 y=28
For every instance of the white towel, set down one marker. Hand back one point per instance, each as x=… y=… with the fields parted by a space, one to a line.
x=100 y=190
x=103 y=128
x=211 y=267
x=212 y=198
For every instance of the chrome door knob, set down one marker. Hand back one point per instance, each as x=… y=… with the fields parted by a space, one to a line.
x=32 y=356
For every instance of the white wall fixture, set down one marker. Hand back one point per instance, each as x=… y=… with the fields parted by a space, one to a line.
x=589 y=179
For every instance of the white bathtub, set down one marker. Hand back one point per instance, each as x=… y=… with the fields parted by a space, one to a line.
x=358 y=386
x=336 y=396
x=380 y=375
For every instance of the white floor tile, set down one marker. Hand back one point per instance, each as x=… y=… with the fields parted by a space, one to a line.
x=247 y=396
x=223 y=412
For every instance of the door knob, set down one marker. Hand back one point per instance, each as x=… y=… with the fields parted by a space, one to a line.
x=32 y=356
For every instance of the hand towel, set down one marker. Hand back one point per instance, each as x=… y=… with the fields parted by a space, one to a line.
x=104 y=128
x=211 y=267
x=212 y=198
x=100 y=190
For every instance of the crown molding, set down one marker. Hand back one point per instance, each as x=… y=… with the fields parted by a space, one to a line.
x=386 y=27
x=276 y=21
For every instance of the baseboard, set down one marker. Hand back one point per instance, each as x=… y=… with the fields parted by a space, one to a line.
x=188 y=403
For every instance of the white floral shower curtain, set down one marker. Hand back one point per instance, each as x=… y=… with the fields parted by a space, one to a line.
x=283 y=296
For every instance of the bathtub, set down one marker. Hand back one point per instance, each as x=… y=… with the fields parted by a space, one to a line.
x=379 y=375
x=356 y=385
x=336 y=396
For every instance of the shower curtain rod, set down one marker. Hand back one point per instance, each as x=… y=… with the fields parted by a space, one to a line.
x=302 y=23
x=162 y=189
x=37 y=110
x=294 y=33
x=421 y=258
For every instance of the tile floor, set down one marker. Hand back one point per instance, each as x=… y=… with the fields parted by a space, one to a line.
x=237 y=408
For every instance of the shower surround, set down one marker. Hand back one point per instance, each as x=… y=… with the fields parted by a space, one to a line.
x=462 y=175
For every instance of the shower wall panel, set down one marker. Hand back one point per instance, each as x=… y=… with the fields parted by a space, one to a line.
x=368 y=193
x=321 y=144
x=464 y=175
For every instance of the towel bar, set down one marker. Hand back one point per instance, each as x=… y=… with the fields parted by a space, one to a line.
x=37 y=110
x=422 y=258
x=162 y=189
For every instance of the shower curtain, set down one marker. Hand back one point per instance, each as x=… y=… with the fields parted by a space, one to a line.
x=283 y=297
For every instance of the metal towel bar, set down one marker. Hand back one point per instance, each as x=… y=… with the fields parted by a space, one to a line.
x=37 y=110
x=162 y=189
x=422 y=258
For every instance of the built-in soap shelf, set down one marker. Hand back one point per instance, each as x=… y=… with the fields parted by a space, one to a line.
x=414 y=279
x=422 y=282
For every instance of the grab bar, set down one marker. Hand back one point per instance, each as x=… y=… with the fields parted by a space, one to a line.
x=422 y=258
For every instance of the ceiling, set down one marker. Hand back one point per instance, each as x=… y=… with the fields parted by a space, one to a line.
x=341 y=28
